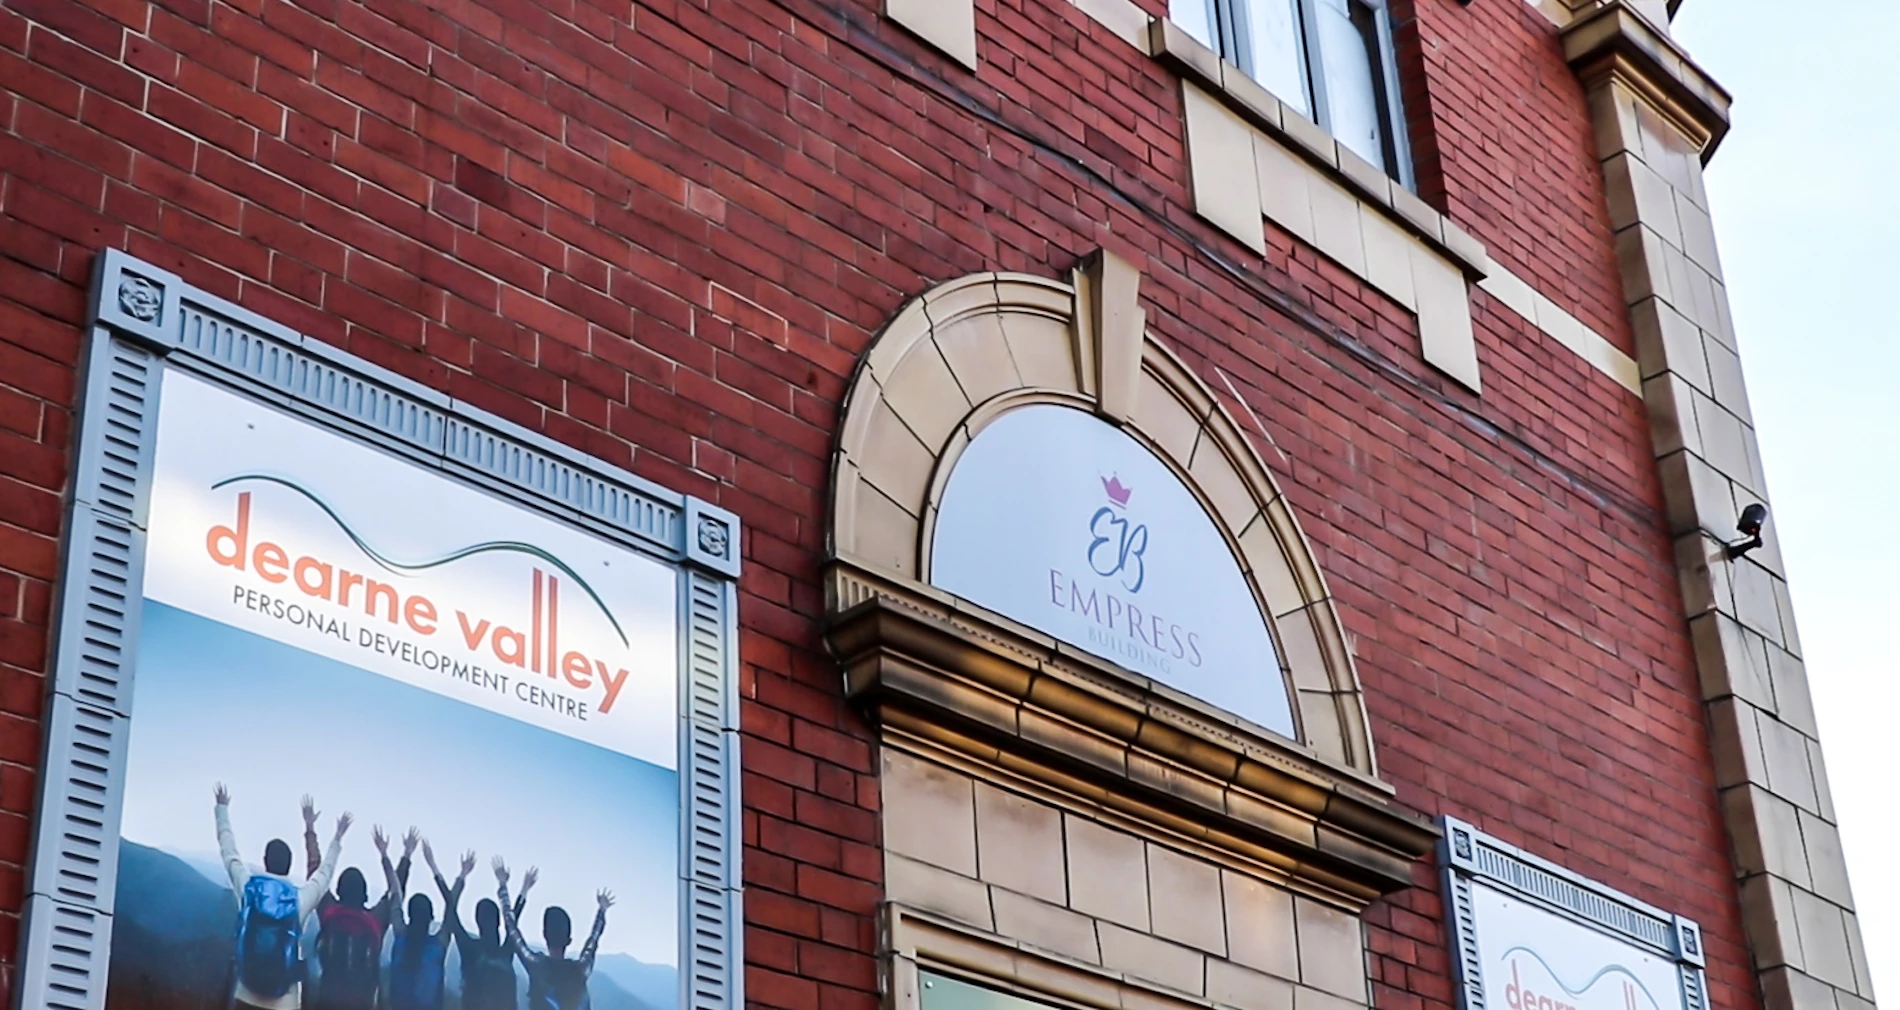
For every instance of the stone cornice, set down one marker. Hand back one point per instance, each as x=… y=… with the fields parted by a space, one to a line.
x=921 y=666
x=1616 y=42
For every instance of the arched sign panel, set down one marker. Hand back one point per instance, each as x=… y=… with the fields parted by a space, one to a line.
x=1065 y=523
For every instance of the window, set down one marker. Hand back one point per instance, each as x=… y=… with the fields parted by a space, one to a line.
x=1063 y=521
x=1330 y=60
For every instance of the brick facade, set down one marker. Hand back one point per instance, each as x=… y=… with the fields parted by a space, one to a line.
x=664 y=232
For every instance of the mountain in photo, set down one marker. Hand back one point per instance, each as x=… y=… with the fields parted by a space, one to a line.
x=648 y=986
x=171 y=935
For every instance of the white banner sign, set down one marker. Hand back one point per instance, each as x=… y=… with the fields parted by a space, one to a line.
x=1533 y=959
x=1065 y=523
x=281 y=528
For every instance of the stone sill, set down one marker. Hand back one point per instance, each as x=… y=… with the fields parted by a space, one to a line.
x=1185 y=55
x=1082 y=725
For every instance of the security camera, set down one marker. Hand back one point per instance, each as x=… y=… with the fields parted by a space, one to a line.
x=1754 y=517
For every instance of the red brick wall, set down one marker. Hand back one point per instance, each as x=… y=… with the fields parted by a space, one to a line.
x=664 y=231
x=1503 y=145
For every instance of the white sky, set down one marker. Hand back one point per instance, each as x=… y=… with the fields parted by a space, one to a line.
x=1802 y=196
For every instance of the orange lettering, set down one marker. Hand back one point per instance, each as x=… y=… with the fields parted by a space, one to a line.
x=270 y=554
x=534 y=626
x=306 y=565
x=473 y=636
x=420 y=614
x=373 y=589
x=613 y=682
x=574 y=667
x=554 y=621
x=218 y=536
x=515 y=652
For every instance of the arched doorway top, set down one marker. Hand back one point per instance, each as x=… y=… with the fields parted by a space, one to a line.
x=972 y=350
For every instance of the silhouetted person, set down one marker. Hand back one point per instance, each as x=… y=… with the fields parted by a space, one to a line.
x=350 y=932
x=272 y=910
x=555 y=982
x=488 y=962
x=418 y=957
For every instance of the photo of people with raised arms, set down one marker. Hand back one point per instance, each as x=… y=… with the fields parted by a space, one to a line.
x=349 y=940
x=215 y=912
x=427 y=698
x=295 y=941
x=272 y=911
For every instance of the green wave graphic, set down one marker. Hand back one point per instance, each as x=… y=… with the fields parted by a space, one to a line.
x=1594 y=979
x=401 y=568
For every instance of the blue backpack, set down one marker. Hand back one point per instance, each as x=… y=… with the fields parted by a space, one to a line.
x=268 y=926
x=415 y=972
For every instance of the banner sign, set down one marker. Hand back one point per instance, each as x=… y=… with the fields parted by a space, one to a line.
x=295 y=534
x=381 y=725
x=1533 y=936
x=1534 y=959
x=1065 y=523
x=323 y=620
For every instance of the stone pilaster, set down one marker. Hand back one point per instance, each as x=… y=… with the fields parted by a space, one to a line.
x=1657 y=119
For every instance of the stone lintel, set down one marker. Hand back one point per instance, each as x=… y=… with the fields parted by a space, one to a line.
x=1090 y=729
x=1616 y=42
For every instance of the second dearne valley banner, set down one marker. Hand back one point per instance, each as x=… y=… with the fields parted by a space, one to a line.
x=396 y=742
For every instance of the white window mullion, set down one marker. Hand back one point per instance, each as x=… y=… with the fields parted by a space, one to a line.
x=1399 y=139
x=1347 y=39
x=1274 y=44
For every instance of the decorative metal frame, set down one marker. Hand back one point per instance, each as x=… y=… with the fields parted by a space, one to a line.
x=144 y=321
x=1470 y=857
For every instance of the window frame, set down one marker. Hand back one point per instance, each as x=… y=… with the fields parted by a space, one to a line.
x=1226 y=18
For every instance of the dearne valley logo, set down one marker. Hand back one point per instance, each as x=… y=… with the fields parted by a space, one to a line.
x=564 y=680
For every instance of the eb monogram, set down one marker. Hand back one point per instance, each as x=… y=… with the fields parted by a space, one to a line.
x=1125 y=542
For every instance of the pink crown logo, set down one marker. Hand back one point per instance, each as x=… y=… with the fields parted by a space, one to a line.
x=1117 y=491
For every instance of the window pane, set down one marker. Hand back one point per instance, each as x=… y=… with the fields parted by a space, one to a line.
x=1350 y=62
x=1272 y=41
x=1196 y=17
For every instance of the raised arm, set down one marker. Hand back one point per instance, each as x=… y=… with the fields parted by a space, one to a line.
x=317 y=886
x=409 y=840
x=227 y=842
x=393 y=895
x=527 y=884
x=381 y=909
x=453 y=898
x=605 y=901
x=511 y=923
x=451 y=893
x=313 y=855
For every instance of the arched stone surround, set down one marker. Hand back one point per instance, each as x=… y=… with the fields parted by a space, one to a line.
x=970 y=350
